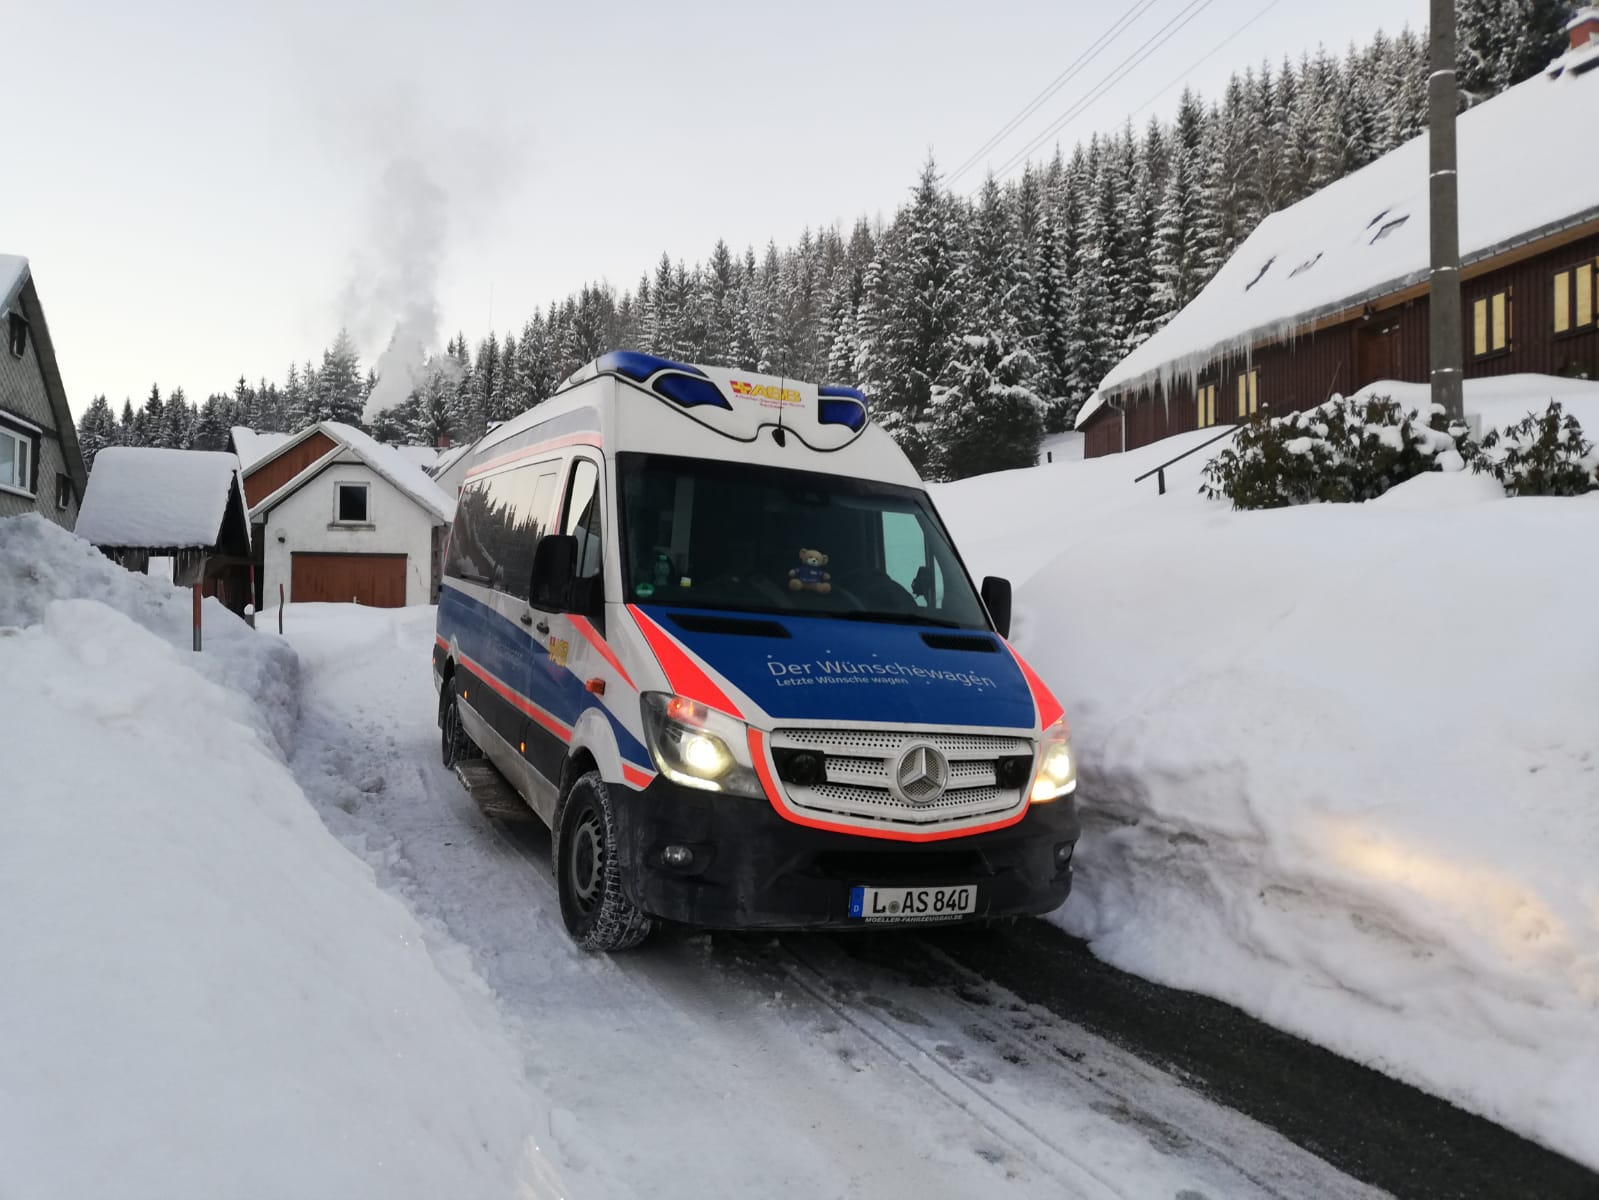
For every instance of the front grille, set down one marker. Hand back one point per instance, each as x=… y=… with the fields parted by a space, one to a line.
x=859 y=783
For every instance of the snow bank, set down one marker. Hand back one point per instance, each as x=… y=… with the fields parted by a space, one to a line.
x=152 y=497
x=205 y=993
x=41 y=563
x=1339 y=764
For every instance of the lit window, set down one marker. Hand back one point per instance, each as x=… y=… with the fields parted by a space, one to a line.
x=1491 y=319
x=1249 y=393
x=16 y=460
x=1207 y=406
x=350 y=501
x=1574 y=298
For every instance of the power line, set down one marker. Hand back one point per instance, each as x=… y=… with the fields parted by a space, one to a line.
x=1117 y=74
x=1097 y=47
x=1217 y=49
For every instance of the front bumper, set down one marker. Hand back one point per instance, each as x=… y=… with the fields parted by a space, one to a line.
x=753 y=869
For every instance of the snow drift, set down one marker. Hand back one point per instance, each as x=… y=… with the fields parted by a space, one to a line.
x=1339 y=763
x=205 y=993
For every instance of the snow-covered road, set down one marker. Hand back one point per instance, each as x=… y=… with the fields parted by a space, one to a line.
x=743 y=1066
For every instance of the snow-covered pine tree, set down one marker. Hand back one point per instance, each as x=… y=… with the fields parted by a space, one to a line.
x=660 y=327
x=97 y=429
x=127 y=425
x=912 y=311
x=178 y=423
x=149 y=425
x=717 y=303
x=984 y=413
x=1502 y=42
x=338 y=383
x=211 y=427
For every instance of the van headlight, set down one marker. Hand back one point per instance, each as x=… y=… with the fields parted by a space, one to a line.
x=1057 y=765
x=699 y=747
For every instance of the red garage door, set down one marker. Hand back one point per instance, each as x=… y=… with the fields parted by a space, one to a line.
x=377 y=580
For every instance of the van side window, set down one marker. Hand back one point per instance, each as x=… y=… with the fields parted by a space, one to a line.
x=907 y=559
x=498 y=523
x=582 y=519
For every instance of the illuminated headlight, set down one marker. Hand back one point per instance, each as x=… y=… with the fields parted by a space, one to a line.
x=1057 y=765
x=698 y=747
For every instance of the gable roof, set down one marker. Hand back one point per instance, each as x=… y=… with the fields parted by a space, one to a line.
x=386 y=461
x=148 y=497
x=17 y=291
x=253 y=445
x=1524 y=174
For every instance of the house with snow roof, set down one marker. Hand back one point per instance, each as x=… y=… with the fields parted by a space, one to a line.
x=337 y=516
x=146 y=502
x=41 y=466
x=1330 y=294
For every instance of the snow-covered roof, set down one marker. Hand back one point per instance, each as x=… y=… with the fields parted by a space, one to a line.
x=13 y=270
x=254 y=445
x=422 y=456
x=150 y=497
x=387 y=461
x=449 y=458
x=393 y=466
x=1366 y=235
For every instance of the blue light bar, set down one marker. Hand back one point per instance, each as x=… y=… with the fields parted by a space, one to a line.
x=689 y=391
x=842 y=406
x=640 y=367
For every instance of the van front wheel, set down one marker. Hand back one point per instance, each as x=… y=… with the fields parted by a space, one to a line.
x=588 y=875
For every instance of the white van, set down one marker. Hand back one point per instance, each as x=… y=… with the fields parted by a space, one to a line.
x=709 y=627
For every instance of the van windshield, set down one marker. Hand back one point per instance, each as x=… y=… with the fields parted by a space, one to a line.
x=720 y=535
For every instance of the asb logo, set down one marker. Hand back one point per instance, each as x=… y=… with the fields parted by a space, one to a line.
x=766 y=392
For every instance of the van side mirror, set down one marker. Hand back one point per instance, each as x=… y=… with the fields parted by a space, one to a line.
x=554 y=567
x=996 y=598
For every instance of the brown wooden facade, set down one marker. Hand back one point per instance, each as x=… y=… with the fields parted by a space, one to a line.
x=1510 y=304
x=267 y=478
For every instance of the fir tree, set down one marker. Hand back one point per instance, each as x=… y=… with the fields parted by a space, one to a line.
x=97 y=429
x=212 y=425
x=339 y=395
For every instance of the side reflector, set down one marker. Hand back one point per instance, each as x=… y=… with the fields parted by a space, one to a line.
x=596 y=685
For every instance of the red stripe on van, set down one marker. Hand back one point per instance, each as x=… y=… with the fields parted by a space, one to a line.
x=1049 y=708
x=571 y=439
x=682 y=672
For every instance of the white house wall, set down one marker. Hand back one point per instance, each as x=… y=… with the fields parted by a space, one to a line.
x=304 y=522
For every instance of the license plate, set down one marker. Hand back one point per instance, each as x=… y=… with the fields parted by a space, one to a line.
x=911 y=903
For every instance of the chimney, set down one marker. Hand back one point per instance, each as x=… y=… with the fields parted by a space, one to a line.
x=1584 y=27
x=444 y=441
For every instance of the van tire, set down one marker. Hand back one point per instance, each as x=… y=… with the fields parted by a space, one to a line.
x=454 y=744
x=587 y=874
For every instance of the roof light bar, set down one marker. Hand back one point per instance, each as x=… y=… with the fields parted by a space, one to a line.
x=842 y=406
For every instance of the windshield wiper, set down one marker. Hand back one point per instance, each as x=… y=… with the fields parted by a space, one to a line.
x=896 y=619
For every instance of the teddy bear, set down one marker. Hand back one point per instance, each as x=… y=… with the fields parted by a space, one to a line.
x=809 y=574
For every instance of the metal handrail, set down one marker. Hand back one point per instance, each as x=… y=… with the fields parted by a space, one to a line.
x=1161 y=470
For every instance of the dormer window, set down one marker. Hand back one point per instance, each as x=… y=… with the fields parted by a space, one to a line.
x=16 y=334
x=1389 y=227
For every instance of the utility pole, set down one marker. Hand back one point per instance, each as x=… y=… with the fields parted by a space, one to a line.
x=1443 y=94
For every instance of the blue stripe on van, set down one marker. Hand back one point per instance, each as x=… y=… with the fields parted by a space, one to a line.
x=501 y=647
x=834 y=670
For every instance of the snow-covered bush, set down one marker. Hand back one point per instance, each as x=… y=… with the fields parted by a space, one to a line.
x=988 y=419
x=1540 y=456
x=1342 y=451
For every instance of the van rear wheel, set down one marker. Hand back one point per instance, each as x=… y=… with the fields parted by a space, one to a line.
x=587 y=874
x=454 y=744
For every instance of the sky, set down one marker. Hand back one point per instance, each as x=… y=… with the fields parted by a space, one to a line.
x=207 y=189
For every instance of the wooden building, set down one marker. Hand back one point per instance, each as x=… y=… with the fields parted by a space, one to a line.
x=1331 y=294
x=146 y=502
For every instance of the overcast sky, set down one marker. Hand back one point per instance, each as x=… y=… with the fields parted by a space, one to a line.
x=204 y=187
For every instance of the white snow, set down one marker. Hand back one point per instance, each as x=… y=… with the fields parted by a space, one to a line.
x=205 y=994
x=254 y=445
x=1339 y=762
x=147 y=496
x=1058 y=447
x=1519 y=173
x=421 y=456
x=13 y=270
